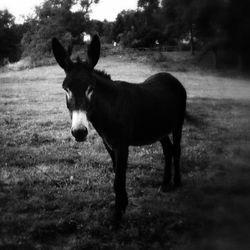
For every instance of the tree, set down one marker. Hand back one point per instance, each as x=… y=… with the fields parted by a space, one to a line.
x=150 y=27
x=203 y=19
x=148 y=6
x=86 y=5
x=55 y=18
x=179 y=18
x=238 y=31
x=6 y=19
x=107 y=31
x=10 y=36
x=139 y=28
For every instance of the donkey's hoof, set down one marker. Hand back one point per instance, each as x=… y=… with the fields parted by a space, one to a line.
x=115 y=225
x=117 y=219
x=118 y=215
x=165 y=188
x=177 y=184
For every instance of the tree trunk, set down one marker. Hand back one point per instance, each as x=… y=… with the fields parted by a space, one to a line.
x=192 y=40
x=240 y=62
x=215 y=52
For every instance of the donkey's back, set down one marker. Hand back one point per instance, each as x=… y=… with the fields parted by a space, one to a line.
x=154 y=108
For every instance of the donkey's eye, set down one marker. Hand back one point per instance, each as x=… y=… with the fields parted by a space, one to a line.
x=68 y=93
x=69 y=99
x=89 y=92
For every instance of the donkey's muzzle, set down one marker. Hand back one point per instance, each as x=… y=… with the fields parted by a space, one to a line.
x=80 y=134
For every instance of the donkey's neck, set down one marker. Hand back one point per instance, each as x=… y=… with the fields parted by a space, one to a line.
x=102 y=73
x=103 y=82
x=104 y=99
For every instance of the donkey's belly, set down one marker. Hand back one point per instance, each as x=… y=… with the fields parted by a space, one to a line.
x=149 y=133
x=152 y=123
x=139 y=141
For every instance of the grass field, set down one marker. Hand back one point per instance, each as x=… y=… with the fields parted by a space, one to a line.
x=57 y=194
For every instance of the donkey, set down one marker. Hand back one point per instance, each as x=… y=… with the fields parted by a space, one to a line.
x=124 y=114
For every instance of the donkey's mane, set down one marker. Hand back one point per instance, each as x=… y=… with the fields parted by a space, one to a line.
x=102 y=73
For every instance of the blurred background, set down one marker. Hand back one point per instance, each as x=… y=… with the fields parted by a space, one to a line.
x=216 y=33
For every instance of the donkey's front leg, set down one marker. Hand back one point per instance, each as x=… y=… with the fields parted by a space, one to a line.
x=121 y=199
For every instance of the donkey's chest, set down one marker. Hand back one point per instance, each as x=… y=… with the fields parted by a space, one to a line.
x=110 y=129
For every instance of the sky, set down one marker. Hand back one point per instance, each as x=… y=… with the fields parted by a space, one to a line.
x=106 y=9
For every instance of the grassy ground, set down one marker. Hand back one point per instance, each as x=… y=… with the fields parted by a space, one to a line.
x=56 y=193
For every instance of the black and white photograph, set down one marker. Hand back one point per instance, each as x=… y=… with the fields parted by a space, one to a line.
x=125 y=124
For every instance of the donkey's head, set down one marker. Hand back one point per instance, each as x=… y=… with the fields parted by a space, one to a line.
x=78 y=84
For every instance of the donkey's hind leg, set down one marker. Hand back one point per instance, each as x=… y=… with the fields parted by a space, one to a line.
x=167 y=147
x=177 y=153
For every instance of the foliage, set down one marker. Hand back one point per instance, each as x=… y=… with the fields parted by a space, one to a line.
x=10 y=36
x=218 y=25
x=139 y=28
x=103 y=28
x=210 y=25
x=55 y=18
x=239 y=31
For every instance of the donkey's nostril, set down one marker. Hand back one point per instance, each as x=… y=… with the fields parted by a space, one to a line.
x=79 y=134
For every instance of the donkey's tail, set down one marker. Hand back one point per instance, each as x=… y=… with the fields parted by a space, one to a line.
x=193 y=120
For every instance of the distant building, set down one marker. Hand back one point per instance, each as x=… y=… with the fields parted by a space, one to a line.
x=85 y=37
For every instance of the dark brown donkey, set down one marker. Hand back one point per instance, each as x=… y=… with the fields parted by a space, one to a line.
x=124 y=114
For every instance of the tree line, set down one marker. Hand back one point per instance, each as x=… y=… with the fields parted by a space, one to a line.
x=202 y=25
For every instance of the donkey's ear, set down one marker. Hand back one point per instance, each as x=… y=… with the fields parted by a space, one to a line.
x=61 y=55
x=93 y=51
